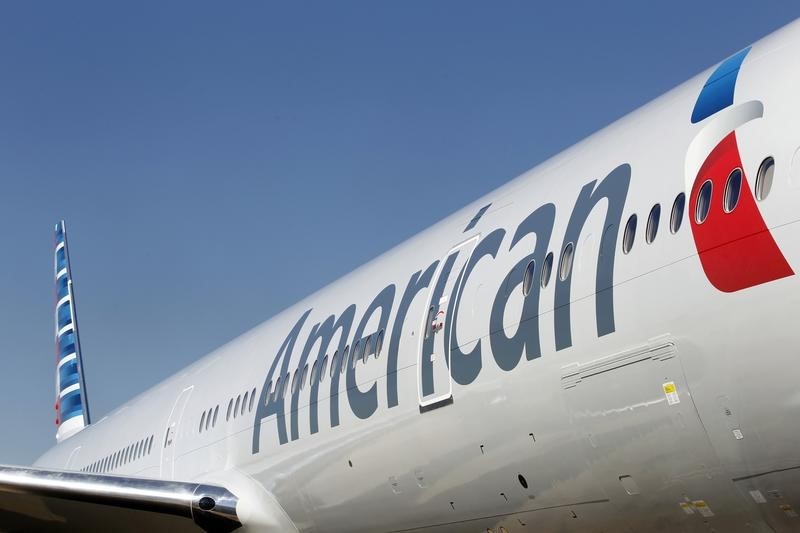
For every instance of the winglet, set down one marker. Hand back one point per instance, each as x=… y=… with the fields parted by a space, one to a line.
x=72 y=407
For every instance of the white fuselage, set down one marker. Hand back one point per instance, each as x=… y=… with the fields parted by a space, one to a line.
x=634 y=395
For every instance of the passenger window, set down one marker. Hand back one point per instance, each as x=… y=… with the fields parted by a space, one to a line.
x=547 y=268
x=764 y=178
x=252 y=399
x=244 y=402
x=703 y=202
x=270 y=391
x=343 y=366
x=565 y=265
x=303 y=377
x=379 y=344
x=314 y=371
x=334 y=362
x=216 y=412
x=527 y=278
x=202 y=422
x=236 y=406
x=652 y=224
x=733 y=188
x=285 y=386
x=676 y=217
x=277 y=391
x=324 y=367
x=367 y=346
x=208 y=419
x=630 y=234
x=354 y=356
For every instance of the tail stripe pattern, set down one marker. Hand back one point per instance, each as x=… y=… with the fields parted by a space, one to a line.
x=72 y=412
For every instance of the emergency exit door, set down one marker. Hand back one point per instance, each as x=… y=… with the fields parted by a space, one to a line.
x=435 y=386
x=172 y=433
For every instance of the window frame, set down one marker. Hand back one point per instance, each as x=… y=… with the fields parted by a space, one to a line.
x=760 y=190
x=566 y=261
x=676 y=214
x=546 y=271
x=653 y=223
x=710 y=189
x=630 y=230
x=726 y=194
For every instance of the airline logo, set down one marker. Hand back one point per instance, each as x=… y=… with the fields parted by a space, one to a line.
x=318 y=338
x=736 y=248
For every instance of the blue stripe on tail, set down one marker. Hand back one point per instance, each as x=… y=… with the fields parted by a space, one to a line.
x=717 y=93
x=71 y=402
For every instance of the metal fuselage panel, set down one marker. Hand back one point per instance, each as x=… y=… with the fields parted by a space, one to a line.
x=630 y=394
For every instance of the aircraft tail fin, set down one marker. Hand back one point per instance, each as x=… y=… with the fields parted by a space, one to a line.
x=72 y=407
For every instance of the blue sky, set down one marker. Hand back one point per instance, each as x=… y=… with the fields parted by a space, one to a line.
x=216 y=162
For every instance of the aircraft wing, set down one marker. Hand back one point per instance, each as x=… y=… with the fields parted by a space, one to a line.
x=33 y=499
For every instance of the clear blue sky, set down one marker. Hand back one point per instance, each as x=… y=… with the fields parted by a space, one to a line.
x=217 y=162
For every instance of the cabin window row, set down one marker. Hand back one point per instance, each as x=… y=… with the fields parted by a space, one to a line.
x=653 y=223
x=568 y=253
x=243 y=403
x=240 y=405
x=733 y=189
x=730 y=201
x=371 y=345
x=208 y=419
x=132 y=452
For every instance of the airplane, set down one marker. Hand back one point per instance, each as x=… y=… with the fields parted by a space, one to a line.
x=605 y=343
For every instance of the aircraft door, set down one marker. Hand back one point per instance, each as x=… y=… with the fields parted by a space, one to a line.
x=435 y=387
x=171 y=434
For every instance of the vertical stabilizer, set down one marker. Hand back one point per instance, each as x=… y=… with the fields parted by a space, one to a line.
x=72 y=408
